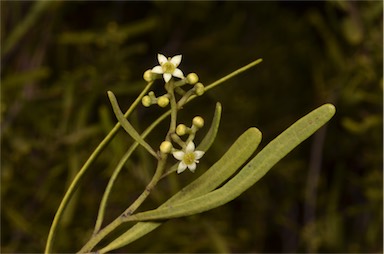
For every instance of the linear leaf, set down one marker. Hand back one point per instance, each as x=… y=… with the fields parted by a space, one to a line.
x=127 y=126
x=208 y=139
x=250 y=173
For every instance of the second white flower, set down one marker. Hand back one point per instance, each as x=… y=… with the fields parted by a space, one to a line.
x=188 y=158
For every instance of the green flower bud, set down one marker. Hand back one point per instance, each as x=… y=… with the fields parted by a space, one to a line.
x=162 y=101
x=199 y=89
x=146 y=101
x=192 y=78
x=152 y=95
x=198 y=121
x=181 y=130
x=166 y=147
x=148 y=76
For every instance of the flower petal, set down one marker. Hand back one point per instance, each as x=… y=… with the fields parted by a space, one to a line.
x=198 y=154
x=192 y=167
x=167 y=77
x=178 y=73
x=176 y=60
x=182 y=166
x=178 y=155
x=157 y=69
x=161 y=58
x=190 y=147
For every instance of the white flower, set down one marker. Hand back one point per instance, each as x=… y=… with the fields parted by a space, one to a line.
x=168 y=67
x=189 y=158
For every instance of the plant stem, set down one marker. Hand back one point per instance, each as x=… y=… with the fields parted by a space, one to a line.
x=102 y=233
x=156 y=177
x=232 y=74
x=96 y=238
x=118 y=221
x=172 y=127
x=75 y=183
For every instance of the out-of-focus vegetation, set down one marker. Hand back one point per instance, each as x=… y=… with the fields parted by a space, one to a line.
x=58 y=59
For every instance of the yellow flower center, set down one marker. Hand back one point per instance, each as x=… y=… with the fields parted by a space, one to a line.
x=168 y=67
x=189 y=158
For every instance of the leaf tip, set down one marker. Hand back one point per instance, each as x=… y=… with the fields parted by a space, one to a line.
x=255 y=132
x=331 y=109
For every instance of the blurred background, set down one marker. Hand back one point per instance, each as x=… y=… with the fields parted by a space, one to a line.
x=58 y=59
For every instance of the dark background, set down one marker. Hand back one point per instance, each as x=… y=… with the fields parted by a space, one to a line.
x=59 y=58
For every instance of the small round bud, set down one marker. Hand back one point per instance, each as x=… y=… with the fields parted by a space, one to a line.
x=166 y=147
x=198 y=121
x=199 y=89
x=162 y=101
x=192 y=78
x=148 y=75
x=146 y=101
x=181 y=130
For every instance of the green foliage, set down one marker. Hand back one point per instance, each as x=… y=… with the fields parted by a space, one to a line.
x=60 y=58
x=197 y=198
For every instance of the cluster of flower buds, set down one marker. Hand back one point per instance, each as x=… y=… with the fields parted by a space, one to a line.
x=150 y=99
x=168 y=68
x=175 y=83
x=197 y=123
x=187 y=156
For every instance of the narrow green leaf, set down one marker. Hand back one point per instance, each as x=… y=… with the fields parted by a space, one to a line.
x=76 y=181
x=127 y=126
x=208 y=139
x=224 y=168
x=250 y=174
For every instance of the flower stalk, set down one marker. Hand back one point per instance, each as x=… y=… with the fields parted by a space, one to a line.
x=176 y=97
